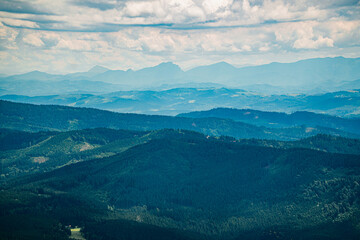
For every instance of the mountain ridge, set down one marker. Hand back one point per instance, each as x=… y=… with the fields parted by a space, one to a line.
x=278 y=74
x=45 y=151
x=279 y=119
x=60 y=118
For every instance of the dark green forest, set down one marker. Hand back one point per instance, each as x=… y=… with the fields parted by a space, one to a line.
x=279 y=119
x=148 y=183
x=28 y=117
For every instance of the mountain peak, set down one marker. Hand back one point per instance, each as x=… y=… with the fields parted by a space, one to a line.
x=98 y=69
x=215 y=67
x=168 y=65
x=33 y=74
x=223 y=64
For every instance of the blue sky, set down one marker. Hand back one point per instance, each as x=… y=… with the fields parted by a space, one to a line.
x=74 y=35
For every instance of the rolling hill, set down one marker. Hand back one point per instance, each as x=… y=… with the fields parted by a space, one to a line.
x=30 y=117
x=277 y=119
x=45 y=151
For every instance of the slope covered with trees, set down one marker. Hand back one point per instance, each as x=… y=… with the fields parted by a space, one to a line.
x=30 y=117
x=25 y=152
x=143 y=180
x=278 y=119
x=189 y=186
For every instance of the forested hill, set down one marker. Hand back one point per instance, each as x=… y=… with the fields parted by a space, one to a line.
x=24 y=153
x=278 y=119
x=173 y=184
x=183 y=180
x=30 y=117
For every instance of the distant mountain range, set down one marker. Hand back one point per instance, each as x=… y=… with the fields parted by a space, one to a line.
x=311 y=76
x=183 y=100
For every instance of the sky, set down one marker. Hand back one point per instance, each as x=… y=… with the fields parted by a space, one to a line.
x=75 y=35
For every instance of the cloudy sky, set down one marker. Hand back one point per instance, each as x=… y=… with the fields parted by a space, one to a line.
x=74 y=35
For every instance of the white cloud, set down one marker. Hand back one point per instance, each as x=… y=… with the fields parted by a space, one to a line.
x=169 y=11
x=189 y=32
x=19 y=23
x=140 y=9
x=347 y=32
x=212 y=6
x=7 y=37
x=34 y=40
x=228 y=12
x=313 y=44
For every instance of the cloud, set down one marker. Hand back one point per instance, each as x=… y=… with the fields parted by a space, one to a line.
x=16 y=6
x=19 y=23
x=88 y=45
x=137 y=33
x=101 y=5
x=33 y=40
x=90 y=15
x=171 y=11
x=345 y=32
x=212 y=6
x=7 y=38
x=313 y=44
